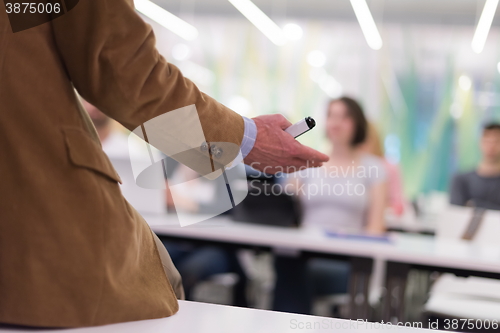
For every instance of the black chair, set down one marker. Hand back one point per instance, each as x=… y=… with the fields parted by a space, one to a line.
x=267 y=204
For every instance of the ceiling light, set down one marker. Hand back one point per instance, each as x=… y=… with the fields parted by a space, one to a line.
x=367 y=23
x=456 y=110
x=292 y=31
x=240 y=105
x=484 y=25
x=166 y=19
x=181 y=52
x=326 y=82
x=260 y=20
x=464 y=82
x=198 y=74
x=316 y=58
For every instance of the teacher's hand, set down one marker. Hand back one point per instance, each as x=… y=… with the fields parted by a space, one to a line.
x=277 y=151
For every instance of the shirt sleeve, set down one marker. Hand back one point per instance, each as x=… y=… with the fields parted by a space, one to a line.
x=458 y=191
x=249 y=136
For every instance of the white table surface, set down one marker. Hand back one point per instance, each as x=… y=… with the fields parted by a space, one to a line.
x=404 y=248
x=196 y=317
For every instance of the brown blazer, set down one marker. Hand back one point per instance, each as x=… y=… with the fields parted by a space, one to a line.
x=73 y=252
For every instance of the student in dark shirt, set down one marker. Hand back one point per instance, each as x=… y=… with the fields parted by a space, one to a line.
x=481 y=187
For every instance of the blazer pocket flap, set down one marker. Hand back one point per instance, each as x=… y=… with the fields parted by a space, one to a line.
x=84 y=152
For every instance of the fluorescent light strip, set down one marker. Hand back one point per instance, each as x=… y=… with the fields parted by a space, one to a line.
x=484 y=25
x=166 y=19
x=260 y=20
x=367 y=23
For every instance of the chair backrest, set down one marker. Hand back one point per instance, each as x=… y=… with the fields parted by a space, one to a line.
x=262 y=206
x=455 y=220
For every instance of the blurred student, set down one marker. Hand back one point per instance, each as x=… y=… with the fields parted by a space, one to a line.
x=481 y=187
x=355 y=197
x=347 y=194
x=373 y=146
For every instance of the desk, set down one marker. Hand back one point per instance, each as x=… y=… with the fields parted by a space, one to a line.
x=425 y=253
x=412 y=249
x=284 y=241
x=401 y=254
x=224 y=230
x=210 y=318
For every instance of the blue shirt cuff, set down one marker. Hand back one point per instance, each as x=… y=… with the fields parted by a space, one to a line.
x=249 y=136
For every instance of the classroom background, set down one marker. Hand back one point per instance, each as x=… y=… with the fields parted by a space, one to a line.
x=426 y=89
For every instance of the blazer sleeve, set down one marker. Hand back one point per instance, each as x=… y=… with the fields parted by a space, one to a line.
x=110 y=56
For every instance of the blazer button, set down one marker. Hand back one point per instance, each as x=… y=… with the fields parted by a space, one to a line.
x=216 y=151
x=204 y=146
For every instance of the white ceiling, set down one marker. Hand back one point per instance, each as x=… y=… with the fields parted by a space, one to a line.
x=460 y=12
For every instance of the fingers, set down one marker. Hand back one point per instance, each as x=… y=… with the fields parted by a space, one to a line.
x=296 y=165
x=309 y=154
x=296 y=148
x=280 y=152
